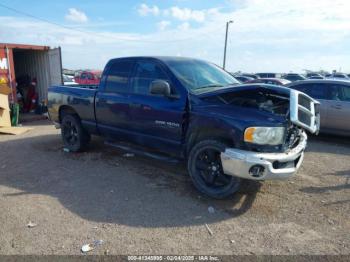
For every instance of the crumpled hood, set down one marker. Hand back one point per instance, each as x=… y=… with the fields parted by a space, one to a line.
x=265 y=101
x=247 y=116
x=252 y=87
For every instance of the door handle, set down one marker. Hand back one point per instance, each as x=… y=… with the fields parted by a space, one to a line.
x=146 y=108
x=336 y=106
x=134 y=105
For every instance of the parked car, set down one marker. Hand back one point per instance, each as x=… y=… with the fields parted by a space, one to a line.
x=88 y=77
x=334 y=96
x=68 y=80
x=250 y=75
x=340 y=75
x=243 y=79
x=268 y=75
x=293 y=77
x=194 y=111
x=309 y=75
x=316 y=77
x=271 y=81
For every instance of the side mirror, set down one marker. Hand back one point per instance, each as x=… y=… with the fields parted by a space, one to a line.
x=160 y=87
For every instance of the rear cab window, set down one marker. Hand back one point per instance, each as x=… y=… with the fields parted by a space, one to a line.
x=117 y=78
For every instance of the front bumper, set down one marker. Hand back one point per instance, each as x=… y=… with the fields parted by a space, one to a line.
x=243 y=163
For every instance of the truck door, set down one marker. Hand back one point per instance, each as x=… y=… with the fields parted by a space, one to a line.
x=112 y=100
x=55 y=67
x=156 y=120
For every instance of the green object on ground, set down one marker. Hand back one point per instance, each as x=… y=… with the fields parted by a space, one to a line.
x=14 y=114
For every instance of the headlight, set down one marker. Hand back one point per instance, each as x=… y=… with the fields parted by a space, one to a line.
x=264 y=135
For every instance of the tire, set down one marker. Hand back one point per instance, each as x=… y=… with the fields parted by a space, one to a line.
x=74 y=137
x=205 y=169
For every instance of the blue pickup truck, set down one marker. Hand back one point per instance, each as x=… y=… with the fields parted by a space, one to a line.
x=190 y=110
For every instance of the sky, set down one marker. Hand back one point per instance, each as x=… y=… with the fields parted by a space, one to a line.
x=265 y=36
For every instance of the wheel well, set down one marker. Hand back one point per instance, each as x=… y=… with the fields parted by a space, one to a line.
x=65 y=110
x=212 y=134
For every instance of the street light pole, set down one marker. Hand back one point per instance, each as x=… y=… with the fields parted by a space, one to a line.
x=227 y=24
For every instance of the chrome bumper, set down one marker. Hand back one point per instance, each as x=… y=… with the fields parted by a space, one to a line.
x=242 y=163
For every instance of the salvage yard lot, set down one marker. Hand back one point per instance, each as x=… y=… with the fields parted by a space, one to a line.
x=141 y=206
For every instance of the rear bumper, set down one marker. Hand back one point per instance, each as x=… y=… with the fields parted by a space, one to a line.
x=242 y=163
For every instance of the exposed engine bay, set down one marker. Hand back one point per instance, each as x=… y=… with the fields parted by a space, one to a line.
x=295 y=106
x=262 y=99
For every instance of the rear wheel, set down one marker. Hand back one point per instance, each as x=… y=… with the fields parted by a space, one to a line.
x=74 y=137
x=205 y=169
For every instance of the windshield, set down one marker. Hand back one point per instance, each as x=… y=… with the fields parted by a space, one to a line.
x=197 y=76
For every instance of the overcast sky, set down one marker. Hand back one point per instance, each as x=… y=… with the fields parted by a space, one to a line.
x=267 y=35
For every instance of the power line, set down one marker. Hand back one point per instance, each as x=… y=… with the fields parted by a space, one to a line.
x=40 y=19
x=99 y=35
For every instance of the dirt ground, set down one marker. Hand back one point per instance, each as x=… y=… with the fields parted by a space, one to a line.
x=140 y=206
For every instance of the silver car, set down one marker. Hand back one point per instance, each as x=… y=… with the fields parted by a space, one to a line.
x=334 y=96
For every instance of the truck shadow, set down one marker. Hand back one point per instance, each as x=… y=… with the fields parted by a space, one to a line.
x=103 y=185
x=320 y=190
x=329 y=144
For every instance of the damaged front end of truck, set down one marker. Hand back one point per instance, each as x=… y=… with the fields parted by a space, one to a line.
x=273 y=144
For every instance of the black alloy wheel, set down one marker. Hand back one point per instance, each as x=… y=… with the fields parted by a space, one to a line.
x=205 y=168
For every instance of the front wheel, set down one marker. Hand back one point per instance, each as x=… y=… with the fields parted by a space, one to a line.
x=74 y=137
x=205 y=169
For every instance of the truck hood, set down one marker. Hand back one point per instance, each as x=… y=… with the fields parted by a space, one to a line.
x=278 y=102
x=246 y=87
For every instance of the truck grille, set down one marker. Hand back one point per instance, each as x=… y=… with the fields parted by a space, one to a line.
x=304 y=118
x=304 y=111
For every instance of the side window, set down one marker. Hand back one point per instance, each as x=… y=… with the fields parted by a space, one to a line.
x=345 y=93
x=90 y=76
x=83 y=76
x=317 y=91
x=145 y=73
x=335 y=92
x=117 y=76
x=305 y=88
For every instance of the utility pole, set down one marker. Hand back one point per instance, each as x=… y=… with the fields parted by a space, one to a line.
x=227 y=24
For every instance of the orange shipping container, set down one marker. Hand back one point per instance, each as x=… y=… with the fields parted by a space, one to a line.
x=40 y=62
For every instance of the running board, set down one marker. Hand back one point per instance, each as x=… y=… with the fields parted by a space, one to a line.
x=143 y=153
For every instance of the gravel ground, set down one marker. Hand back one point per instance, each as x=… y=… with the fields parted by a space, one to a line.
x=139 y=206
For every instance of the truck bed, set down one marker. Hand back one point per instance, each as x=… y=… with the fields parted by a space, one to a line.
x=80 y=97
x=84 y=86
